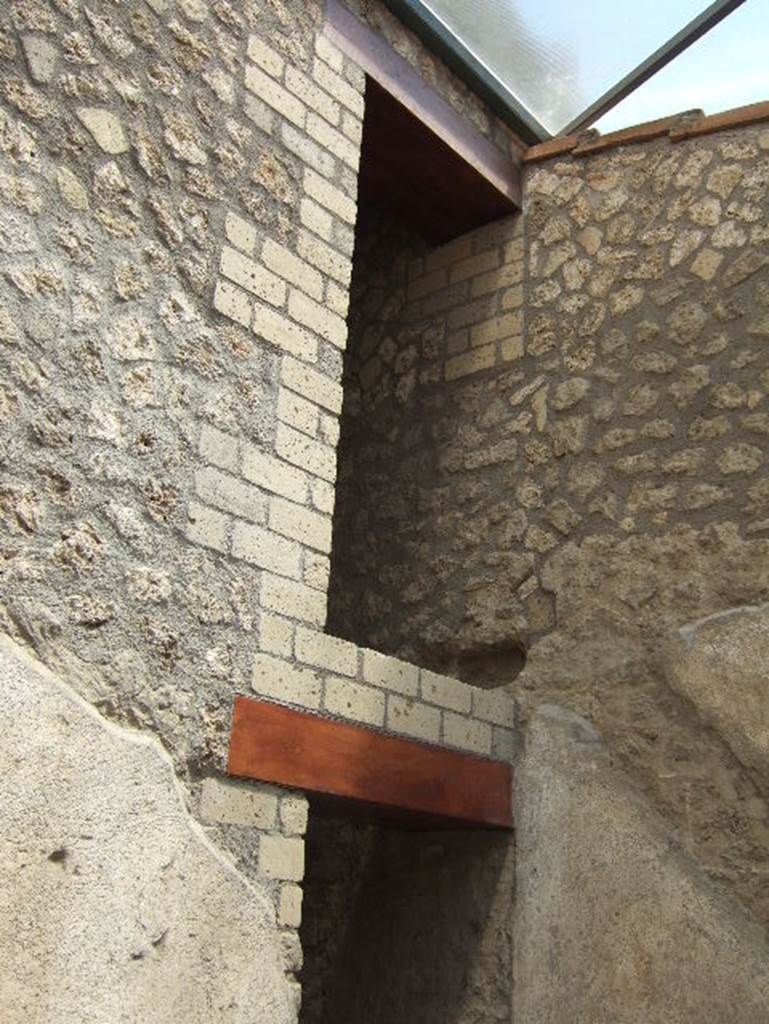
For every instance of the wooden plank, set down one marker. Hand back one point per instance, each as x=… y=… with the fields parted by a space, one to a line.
x=434 y=190
x=553 y=147
x=396 y=76
x=360 y=767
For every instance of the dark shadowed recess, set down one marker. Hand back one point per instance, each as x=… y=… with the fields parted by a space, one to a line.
x=412 y=927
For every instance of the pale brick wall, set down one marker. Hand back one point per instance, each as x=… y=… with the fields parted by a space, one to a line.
x=177 y=211
x=289 y=536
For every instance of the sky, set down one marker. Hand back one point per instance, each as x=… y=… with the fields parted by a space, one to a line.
x=727 y=68
x=558 y=56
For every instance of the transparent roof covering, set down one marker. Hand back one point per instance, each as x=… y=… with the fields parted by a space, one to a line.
x=553 y=60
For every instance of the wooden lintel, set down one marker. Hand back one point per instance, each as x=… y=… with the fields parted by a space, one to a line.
x=358 y=767
x=396 y=76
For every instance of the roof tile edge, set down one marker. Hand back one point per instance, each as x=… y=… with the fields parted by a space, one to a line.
x=677 y=128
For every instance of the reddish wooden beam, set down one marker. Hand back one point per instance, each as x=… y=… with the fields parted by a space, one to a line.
x=378 y=59
x=402 y=778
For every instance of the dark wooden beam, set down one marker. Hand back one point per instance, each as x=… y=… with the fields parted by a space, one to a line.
x=397 y=77
x=358 y=768
x=409 y=171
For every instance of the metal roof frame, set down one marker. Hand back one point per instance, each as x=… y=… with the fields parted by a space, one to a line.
x=438 y=37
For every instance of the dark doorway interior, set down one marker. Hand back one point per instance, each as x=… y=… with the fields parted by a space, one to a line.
x=406 y=927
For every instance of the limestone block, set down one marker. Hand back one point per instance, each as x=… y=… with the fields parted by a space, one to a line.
x=325 y=651
x=235 y=803
x=446 y=692
x=466 y=733
x=613 y=922
x=282 y=857
x=414 y=719
x=382 y=670
x=293 y=814
x=114 y=904
x=41 y=57
x=281 y=680
x=106 y=129
x=290 y=907
x=352 y=700
x=294 y=600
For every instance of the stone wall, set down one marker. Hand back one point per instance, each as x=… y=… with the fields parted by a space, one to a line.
x=606 y=488
x=428 y=560
x=178 y=186
x=647 y=316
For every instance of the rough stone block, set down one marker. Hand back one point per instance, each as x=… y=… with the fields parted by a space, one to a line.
x=105 y=129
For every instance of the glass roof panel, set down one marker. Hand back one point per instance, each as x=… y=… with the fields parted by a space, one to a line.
x=726 y=68
x=557 y=58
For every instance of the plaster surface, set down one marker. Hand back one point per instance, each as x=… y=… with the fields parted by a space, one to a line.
x=113 y=904
x=613 y=922
x=720 y=665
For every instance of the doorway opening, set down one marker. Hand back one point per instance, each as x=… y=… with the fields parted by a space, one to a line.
x=406 y=926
